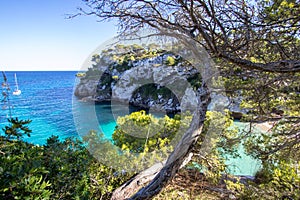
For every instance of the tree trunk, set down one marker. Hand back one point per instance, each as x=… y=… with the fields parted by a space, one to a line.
x=160 y=174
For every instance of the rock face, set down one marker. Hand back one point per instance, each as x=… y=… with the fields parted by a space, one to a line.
x=221 y=101
x=127 y=85
x=86 y=88
x=150 y=84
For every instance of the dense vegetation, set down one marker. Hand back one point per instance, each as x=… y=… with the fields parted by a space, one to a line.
x=132 y=132
x=271 y=97
x=56 y=170
x=67 y=170
x=255 y=45
x=93 y=168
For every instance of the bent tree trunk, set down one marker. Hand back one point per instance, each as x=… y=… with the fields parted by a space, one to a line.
x=160 y=174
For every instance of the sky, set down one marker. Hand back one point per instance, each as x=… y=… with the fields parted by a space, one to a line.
x=36 y=36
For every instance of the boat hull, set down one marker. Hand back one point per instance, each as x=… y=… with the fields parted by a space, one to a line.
x=17 y=92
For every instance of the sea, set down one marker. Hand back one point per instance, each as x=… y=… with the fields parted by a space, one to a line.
x=48 y=100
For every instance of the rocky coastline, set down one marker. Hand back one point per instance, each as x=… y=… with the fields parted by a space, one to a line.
x=127 y=86
x=162 y=83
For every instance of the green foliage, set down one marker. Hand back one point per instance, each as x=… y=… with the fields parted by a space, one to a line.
x=195 y=81
x=139 y=132
x=96 y=58
x=66 y=170
x=106 y=79
x=275 y=98
x=17 y=128
x=123 y=55
x=140 y=141
x=280 y=9
x=268 y=97
x=275 y=181
x=22 y=174
x=278 y=144
x=218 y=139
x=70 y=166
x=56 y=170
x=170 y=61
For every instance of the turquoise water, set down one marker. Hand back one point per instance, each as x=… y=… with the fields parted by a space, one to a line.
x=47 y=99
x=244 y=165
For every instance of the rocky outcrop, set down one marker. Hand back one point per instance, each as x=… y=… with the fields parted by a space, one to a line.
x=220 y=101
x=86 y=88
x=169 y=105
x=123 y=85
x=170 y=90
x=162 y=79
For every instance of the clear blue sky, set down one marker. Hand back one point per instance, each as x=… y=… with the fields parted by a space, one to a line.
x=34 y=35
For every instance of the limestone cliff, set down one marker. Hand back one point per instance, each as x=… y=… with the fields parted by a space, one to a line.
x=147 y=78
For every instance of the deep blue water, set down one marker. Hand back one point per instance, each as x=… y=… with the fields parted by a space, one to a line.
x=47 y=99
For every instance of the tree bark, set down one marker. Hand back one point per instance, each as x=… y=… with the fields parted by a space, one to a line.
x=136 y=182
x=160 y=174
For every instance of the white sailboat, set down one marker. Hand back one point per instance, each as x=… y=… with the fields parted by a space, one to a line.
x=16 y=91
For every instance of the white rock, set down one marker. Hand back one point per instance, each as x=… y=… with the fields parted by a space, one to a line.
x=218 y=102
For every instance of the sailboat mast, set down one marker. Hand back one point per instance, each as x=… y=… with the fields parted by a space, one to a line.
x=17 y=91
x=16 y=81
